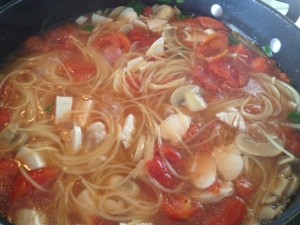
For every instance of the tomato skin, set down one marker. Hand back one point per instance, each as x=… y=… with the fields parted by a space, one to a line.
x=260 y=64
x=213 y=46
x=221 y=75
x=5 y=117
x=208 y=22
x=232 y=212
x=180 y=207
x=9 y=170
x=45 y=177
x=141 y=37
x=292 y=143
x=80 y=70
x=159 y=171
x=244 y=188
x=173 y=157
x=112 y=46
x=52 y=40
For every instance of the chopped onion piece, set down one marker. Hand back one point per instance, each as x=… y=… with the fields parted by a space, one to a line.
x=139 y=151
x=63 y=106
x=157 y=25
x=76 y=138
x=233 y=118
x=81 y=20
x=30 y=217
x=134 y=63
x=127 y=14
x=128 y=130
x=31 y=158
x=96 y=18
x=157 y=48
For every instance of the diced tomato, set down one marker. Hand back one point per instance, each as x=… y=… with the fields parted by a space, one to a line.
x=215 y=188
x=204 y=79
x=210 y=23
x=141 y=37
x=45 y=177
x=260 y=64
x=221 y=74
x=80 y=70
x=213 y=46
x=9 y=170
x=173 y=157
x=5 y=116
x=232 y=212
x=244 y=188
x=113 y=46
x=54 y=39
x=292 y=143
x=36 y=44
x=147 y=11
x=192 y=132
x=60 y=34
x=159 y=171
x=180 y=207
x=133 y=82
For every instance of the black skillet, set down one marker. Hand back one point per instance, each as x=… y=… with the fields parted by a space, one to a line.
x=21 y=18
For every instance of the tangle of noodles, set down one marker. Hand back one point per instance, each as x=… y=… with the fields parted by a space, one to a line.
x=168 y=121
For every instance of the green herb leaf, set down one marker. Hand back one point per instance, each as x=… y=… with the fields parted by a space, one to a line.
x=294 y=116
x=49 y=108
x=88 y=28
x=182 y=16
x=137 y=5
x=233 y=40
x=267 y=50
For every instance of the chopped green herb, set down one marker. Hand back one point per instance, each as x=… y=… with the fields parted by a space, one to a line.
x=233 y=40
x=182 y=16
x=49 y=108
x=88 y=28
x=294 y=116
x=137 y=5
x=267 y=50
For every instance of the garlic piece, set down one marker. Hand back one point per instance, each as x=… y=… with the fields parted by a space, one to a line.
x=174 y=127
x=229 y=164
x=204 y=170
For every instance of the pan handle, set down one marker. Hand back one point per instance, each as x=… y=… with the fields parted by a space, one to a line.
x=294 y=9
